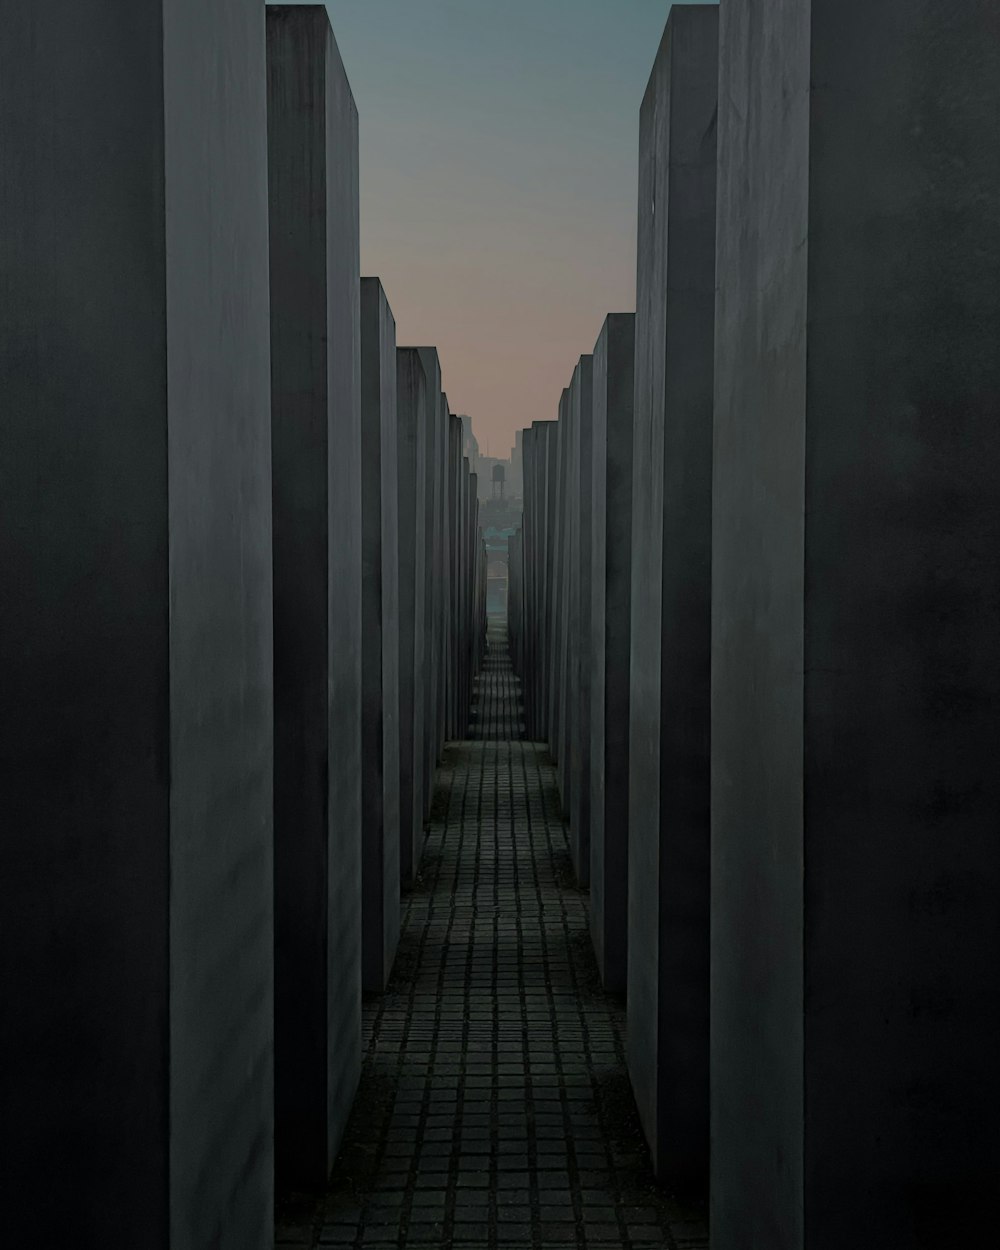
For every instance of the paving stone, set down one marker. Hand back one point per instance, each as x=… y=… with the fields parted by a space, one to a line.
x=494 y=1107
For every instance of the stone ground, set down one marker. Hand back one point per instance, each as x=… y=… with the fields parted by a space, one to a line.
x=494 y=1107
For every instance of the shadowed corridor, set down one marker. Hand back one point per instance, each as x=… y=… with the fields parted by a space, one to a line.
x=494 y=1106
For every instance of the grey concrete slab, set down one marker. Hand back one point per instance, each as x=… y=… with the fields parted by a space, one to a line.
x=557 y=689
x=136 y=631
x=453 y=451
x=668 y=870
x=529 y=566
x=432 y=487
x=611 y=612
x=579 y=534
x=465 y=601
x=547 y=495
x=538 y=534
x=856 y=674
x=411 y=404
x=551 y=435
x=316 y=456
x=380 y=639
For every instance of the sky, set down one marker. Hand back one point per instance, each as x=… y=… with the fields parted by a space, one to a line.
x=498 y=162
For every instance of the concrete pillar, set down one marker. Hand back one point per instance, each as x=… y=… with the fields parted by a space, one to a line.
x=551 y=433
x=453 y=520
x=668 y=869
x=316 y=492
x=380 y=639
x=468 y=554
x=136 y=627
x=856 y=611
x=529 y=565
x=557 y=691
x=454 y=461
x=611 y=591
x=432 y=488
x=411 y=411
x=579 y=535
x=442 y=589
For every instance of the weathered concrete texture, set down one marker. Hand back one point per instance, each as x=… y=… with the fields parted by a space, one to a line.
x=316 y=454
x=411 y=406
x=136 y=629
x=856 y=674
x=579 y=539
x=610 y=634
x=669 y=831
x=380 y=639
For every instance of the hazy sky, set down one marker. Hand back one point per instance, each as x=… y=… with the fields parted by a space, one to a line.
x=498 y=183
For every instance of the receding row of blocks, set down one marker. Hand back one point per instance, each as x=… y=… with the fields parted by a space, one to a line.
x=791 y=671
x=244 y=597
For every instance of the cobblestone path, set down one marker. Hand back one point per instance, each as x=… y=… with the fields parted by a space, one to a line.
x=494 y=1108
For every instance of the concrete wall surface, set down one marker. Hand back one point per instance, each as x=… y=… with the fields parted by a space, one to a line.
x=135 y=522
x=669 y=756
x=411 y=404
x=431 y=488
x=380 y=638
x=610 y=639
x=315 y=437
x=856 y=674
x=579 y=536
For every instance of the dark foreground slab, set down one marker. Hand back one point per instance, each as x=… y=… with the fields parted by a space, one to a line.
x=136 y=627
x=856 y=611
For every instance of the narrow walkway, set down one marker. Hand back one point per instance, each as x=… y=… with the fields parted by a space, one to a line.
x=494 y=1107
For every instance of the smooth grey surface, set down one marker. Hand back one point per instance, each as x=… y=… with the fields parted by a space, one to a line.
x=442 y=591
x=380 y=811
x=856 y=684
x=135 y=529
x=611 y=610
x=527 y=582
x=549 y=495
x=669 y=784
x=315 y=439
x=453 y=522
x=411 y=408
x=432 y=486
x=556 y=690
x=579 y=535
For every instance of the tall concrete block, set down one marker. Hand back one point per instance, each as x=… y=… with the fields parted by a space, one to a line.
x=547 y=498
x=856 y=674
x=668 y=868
x=411 y=403
x=611 y=604
x=468 y=535
x=453 y=525
x=380 y=810
x=316 y=455
x=579 y=536
x=136 y=627
x=432 y=487
x=529 y=566
x=559 y=661
x=442 y=593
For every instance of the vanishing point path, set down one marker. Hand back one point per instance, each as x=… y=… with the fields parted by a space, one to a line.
x=494 y=1108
